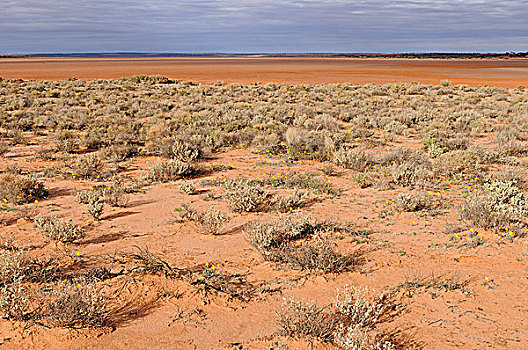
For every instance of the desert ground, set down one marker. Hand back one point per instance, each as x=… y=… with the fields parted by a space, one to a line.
x=151 y=213
x=473 y=72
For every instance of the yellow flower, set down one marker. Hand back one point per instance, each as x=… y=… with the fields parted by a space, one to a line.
x=486 y=278
x=5 y=200
x=472 y=230
x=77 y=253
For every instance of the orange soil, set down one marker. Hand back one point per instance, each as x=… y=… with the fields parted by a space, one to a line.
x=502 y=73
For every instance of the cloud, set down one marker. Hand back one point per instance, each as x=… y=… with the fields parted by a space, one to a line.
x=263 y=25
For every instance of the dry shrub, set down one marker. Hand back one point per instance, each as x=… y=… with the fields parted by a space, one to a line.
x=285 y=203
x=77 y=305
x=89 y=166
x=245 y=197
x=299 y=319
x=212 y=220
x=66 y=141
x=57 y=230
x=21 y=189
x=166 y=171
x=350 y=321
x=305 y=144
x=352 y=159
x=268 y=235
x=465 y=164
x=502 y=205
x=3 y=149
x=15 y=301
x=117 y=153
x=359 y=338
x=313 y=256
x=188 y=188
x=19 y=266
x=364 y=179
x=416 y=201
x=411 y=174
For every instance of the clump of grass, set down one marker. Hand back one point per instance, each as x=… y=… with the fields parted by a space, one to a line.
x=57 y=230
x=21 y=189
x=211 y=220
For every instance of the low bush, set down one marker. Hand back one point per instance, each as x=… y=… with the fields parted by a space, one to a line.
x=21 y=189
x=58 y=230
x=166 y=171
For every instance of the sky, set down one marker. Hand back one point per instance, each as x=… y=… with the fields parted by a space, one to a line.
x=245 y=26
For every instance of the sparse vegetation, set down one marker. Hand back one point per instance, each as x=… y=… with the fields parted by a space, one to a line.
x=326 y=183
x=58 y=230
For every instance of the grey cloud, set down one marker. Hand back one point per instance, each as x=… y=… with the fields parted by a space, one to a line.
x=263 y=25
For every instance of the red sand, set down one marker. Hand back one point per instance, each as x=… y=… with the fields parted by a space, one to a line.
x=502 y=73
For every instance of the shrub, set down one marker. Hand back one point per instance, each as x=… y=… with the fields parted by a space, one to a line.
x=89 y=166
x=3 y=149
x=245 y=197
x=267 y=235
x=211 y=220
x=364 y=180
x=66 y=141
x=350 y=321
x=300 y=319
x=188 y=188
x=359 y=338
x=57 y=230
x=77 y=305
x=411 y=174
x=415 y=201
x=166 y=171
x=15 y=301
x=21 y=189
x=502 y=205
x=285 y=203
x=318 y=256
x=458 y=163
x=352 y=159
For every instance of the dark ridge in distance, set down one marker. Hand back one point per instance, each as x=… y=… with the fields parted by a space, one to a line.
x=418 y=55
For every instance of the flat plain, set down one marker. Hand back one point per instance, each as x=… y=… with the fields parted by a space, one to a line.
x=149 y=213
x=473 y=72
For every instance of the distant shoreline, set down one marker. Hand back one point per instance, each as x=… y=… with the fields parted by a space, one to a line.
x=425 y=55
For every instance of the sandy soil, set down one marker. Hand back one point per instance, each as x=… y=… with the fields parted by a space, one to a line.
x=174 y=315
x=487 y=309
x=502 y=73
